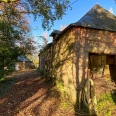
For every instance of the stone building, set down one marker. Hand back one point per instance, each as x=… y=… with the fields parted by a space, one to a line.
x=23 y=63
x=86 y=45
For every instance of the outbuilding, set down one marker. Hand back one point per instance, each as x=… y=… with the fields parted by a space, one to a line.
x=84 y=49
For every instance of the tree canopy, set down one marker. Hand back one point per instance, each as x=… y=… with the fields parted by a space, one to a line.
x=47 y=10
x=15 y=39
x=14 y=29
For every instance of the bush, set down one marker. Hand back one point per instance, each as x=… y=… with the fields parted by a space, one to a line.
x=46 y=75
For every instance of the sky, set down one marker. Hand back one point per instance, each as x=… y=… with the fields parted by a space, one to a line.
x=79 y=9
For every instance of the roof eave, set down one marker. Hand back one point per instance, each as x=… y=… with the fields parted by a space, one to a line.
x=75 y=25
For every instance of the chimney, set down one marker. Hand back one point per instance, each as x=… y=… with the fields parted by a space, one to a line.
x=54 y=34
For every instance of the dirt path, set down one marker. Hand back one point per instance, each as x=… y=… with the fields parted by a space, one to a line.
x=31 y=96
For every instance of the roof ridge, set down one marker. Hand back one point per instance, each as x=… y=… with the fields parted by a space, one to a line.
x=98 y=17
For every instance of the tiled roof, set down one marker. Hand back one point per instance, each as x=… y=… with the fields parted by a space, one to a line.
x=98 y=18
x=55 y=32
x=22 y=58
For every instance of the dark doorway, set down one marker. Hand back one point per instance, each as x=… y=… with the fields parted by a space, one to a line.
x=111 y=61
x=98 y=61
x=113 y=72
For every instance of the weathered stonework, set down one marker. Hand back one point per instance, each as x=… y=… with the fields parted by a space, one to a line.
x=68 y=57
x=71 y=51
x=71 y=55
x=63 y=63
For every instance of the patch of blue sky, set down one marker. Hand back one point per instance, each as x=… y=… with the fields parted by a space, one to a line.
x=79 y=9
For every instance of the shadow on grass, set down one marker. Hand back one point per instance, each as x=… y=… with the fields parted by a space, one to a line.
x=114 y=96
x=82 y=111
x=29 y=95
x=6 y=84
